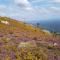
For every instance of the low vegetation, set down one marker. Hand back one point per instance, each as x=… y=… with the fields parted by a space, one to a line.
x=20 y=41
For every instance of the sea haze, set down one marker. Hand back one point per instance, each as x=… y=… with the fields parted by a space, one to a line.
x=53 y=25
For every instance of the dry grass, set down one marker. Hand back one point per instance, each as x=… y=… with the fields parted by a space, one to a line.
x=20 y=41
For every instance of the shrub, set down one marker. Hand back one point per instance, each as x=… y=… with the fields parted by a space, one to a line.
x=50 y=46
x=5 y=40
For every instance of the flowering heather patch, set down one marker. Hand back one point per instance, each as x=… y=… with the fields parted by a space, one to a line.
x=20 y=41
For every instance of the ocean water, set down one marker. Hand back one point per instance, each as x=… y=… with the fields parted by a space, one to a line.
x=53 y=26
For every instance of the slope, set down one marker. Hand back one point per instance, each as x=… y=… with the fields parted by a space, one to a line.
x=20 y=41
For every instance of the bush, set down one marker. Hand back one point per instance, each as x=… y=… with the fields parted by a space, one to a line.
x=5 y=40
x=50 y=47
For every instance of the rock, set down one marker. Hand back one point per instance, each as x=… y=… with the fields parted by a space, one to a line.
x=5 y=22
x=55 y=44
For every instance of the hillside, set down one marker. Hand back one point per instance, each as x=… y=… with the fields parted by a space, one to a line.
x=21 y=41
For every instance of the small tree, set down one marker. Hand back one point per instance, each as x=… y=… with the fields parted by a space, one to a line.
x=38 y=24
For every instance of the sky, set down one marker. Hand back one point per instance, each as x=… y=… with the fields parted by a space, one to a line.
x=30 y=9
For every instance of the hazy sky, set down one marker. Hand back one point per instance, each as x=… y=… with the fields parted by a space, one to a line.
x=30 y=9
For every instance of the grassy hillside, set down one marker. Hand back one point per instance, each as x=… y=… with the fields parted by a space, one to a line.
x=20 y=41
